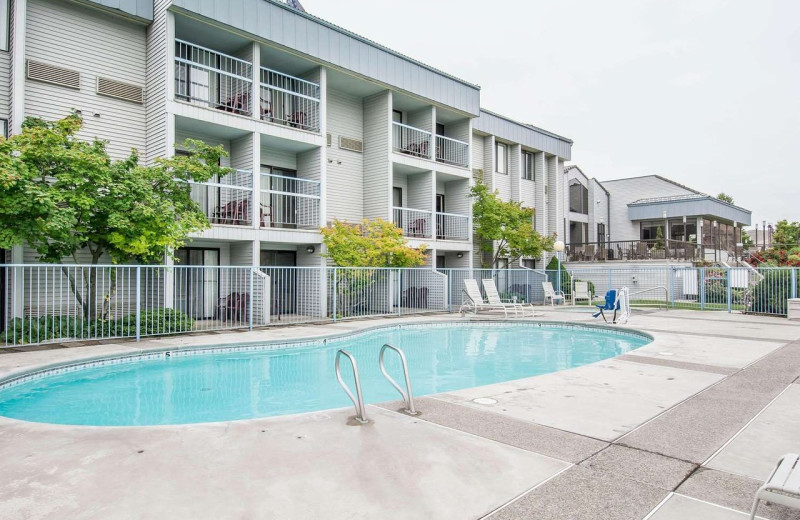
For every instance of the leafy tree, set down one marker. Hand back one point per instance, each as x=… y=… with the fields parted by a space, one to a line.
x=553 y=273
x=659 y=245
x=786 y=233
x=505 y=228
x=61 y=195
x=724 y=197
x=373 y=243
x=747 y=240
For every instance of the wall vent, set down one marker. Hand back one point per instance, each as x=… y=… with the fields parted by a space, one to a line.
x=328 y=136
x=348 y=143
x=119 y=90
x=46 y=73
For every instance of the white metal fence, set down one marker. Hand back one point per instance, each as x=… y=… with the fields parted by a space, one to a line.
x=410 y=140
x=212 y=78
x=226 y=200
x=452 y=151
x=289 y=100
x=414 y=222
x=450 y=226
x=289 y=202
x=62 y=303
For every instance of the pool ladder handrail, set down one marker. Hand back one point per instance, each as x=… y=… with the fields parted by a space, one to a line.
x=408 y=397
x=361 y=411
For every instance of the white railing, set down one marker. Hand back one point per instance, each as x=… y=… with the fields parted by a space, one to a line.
x=450 y=226
x=213 y=79
x=289 y=202
x=227 y=200
x=414 y=222
x=289 y=100
x=410 y=140
x=452 y=151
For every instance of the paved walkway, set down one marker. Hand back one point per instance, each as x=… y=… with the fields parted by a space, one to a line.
x=685 y=427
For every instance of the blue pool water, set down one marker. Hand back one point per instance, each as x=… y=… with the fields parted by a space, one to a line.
x=207 y=386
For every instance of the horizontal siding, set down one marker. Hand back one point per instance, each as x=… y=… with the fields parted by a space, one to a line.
x=156 y=86
x=318 y=39
x=72 y=37
x=376 y=155
x=420 y=191
x=525 y=135
x=278 y=158
x=344 y=171
x=5 y=85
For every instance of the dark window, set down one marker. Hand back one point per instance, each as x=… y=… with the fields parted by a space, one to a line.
x=528 y=166
x=397 y=116
x=601 y=234
x=578 y=198
x=528 y=263
x=501 y=158
x=439 y=129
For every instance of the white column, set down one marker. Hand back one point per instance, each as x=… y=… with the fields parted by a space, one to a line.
x=17 y=283
x=18 y=65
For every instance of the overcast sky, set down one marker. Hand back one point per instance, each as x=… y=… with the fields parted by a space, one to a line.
x=705 y=92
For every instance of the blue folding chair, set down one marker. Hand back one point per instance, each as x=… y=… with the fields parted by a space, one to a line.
x=611 y=304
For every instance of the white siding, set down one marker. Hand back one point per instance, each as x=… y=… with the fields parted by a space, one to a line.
x=157 y=66
x=241 y=253
x=422 y=119
x=624 y=191
x=345 y=169
x=94 y=44
x=376 y=155
x=278 y=158
x=5 y=85
x=420 y=194
x=241 y=156
x=477 y=151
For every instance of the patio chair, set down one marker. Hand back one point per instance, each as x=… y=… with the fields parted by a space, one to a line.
x=611 y=304
x=493 y=297
x=417 y=228
x=642 y=251
x=590 y=252
x=474 y=299
x=552 y=294
x=580 y=291
x=233 y=307
x=783 y=485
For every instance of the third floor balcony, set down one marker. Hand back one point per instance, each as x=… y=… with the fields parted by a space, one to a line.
x=220 y=81
x=416 y=142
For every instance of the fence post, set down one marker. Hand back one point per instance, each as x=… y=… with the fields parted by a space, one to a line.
x=335 y=292
x=671 y=287
x=793 y=291
x=250 y=300
x=702 y=287
x=399 y=293
x=728 y=288
x=138 y=303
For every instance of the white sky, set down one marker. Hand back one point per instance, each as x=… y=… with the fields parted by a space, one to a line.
x=705 y=92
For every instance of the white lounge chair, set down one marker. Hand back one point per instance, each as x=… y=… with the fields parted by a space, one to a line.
x=493 y=297
x=580 y=291
x=783 y=486
x=551 y=293
x=474 y=299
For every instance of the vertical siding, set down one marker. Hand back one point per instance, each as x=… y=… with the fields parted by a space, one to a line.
x=94 y=44
x=157 y=58
x=624 y=191
x=344 y=169
x=377 y=111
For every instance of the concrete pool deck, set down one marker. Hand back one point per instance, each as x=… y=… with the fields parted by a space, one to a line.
x=685 y=427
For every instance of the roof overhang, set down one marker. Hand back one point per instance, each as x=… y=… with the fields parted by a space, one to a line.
x=141 y=10
x=653 y=209
x=526 y=135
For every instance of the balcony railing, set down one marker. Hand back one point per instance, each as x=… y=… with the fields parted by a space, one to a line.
x=213 y=79
x=414 y=222
x=450 y=226
x=452 y=151
x=289 y=100
x=227 y=200
x=635 y=250
x=288 y=202
x=411 y=141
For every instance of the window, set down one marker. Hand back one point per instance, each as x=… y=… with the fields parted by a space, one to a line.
x=528 y=263
x=501 y=158
x=601 y=234
x=578 y=198
x=5 y=15
x=397 y=116
x=528 y=166
x=439 y=129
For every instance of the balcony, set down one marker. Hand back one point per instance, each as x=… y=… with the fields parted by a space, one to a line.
x=450 y=226
x=288 y=100
x=452 y=151
x=415 y=223
x=413 y=141
x=213 y=79
x=289 y=202
x=635 y=250
x=226 y=200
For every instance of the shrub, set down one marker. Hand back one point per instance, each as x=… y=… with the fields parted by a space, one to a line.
x=566 y=278
x=771 y=293
x=155 y=321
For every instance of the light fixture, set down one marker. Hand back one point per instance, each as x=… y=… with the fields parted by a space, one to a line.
x=664 y=214
x=460 y=255
x=558 y=246
x=310 y=250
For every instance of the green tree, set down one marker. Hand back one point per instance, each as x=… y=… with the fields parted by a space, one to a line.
x=659 y=245
x=373 y=243
x=724 y=197
x=505 y=228
x=61 y=195
x=786 y=233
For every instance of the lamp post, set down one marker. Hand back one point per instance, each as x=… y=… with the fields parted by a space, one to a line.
x=558 y=247
x=715 y=239
x=763 y=235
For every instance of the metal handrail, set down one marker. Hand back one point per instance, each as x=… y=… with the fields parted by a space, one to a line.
x=409 y=396
x=666 y=294
x=361 y=412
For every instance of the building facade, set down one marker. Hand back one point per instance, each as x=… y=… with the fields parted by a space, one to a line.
x=319 y=123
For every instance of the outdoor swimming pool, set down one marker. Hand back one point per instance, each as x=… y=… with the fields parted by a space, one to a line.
x=231 y=383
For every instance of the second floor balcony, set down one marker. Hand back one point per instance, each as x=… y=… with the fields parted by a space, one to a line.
x=289 y=202
x=416 y=142
x=226 y=200
x=418 y=223
x=216 y=80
